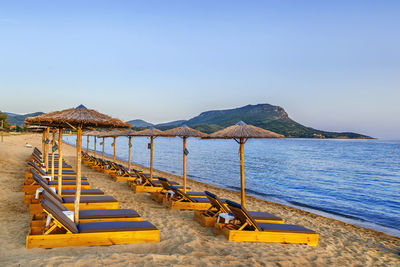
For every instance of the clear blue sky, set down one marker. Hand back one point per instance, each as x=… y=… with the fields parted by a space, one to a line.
x=333 y=65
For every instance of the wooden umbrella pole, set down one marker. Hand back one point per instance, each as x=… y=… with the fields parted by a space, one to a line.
x=87 y=144
x=184 y=164
x=43 y=140
x=46 y=156
x=242 y=171
x=95 y=146
x=129 y=157
x=151 y=157
x=60 y=132
x=114 y=147
x=78 y=173
x=52 y=155
x=102 y=156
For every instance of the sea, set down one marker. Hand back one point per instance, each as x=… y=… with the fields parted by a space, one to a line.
x=354 y=181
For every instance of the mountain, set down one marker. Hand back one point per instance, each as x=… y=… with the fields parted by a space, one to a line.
x=273 y=118
x=16 y=119
x=171 y=123
x=140 y=123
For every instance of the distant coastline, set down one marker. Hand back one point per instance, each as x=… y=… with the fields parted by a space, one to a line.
x=266 y=116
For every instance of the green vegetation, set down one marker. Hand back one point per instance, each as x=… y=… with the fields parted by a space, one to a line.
x=266 y=116
x=3 y=121
x=18 y=120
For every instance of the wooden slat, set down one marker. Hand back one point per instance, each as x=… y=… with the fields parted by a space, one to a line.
x=91 y=239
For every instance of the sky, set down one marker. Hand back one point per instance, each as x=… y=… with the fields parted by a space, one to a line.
x=332 y=65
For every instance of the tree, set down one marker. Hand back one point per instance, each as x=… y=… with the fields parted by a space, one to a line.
x=3 y=121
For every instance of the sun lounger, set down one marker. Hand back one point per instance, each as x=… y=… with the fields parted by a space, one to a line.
x=33 y=172
x=209 y=217
x=41 y=162
x=143 y=183
x=123 y=174
x=86 y=202
x=64 y=232
x=40 y=171
x=94 y=163
x=33 y=165
x=158 y=196
x=246 y=229
x=31 y=186
x=97 y=215
x=177 y=199
x=64 y=193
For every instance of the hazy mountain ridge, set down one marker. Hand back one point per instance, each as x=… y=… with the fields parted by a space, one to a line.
x=17 y=119
x=139 y=123
x=270 y=117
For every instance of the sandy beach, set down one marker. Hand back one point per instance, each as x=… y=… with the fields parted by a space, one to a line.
x=183 y=241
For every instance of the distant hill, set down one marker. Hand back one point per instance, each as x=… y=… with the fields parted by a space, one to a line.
x=273 y=118
x=140 y=123
x=171 y=123
x=17 y=119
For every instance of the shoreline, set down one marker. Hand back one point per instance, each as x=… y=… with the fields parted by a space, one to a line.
x=183 y=241
x=310 y=211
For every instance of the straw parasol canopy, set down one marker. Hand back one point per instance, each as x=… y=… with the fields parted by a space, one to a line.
x=184 y=131
x=93 y=133
x=152 y=133
x=241 y=132
x=115 y=134
x=76 y=118
x=148 y=132
x=36 y=128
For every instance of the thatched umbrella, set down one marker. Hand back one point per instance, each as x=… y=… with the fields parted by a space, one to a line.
x=76 y=118
x=152 y=133
x=241 y=132
x=2 y=130
x=53 y=143
x=39 y=129
x=93 y=133
x=114 y=134
x=46 y=148
x=129 y=134
x=184 y=131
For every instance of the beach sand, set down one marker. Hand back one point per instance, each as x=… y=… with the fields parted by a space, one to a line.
x=183 y=241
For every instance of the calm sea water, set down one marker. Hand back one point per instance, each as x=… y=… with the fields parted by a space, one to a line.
x=356 y=181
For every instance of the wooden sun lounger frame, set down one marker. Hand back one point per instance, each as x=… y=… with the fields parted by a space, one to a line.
x=39 y=220
x=184 y=203
x=126 y=175
x=208 y=218
x=49 y=240
x=146 y=187
x=160 y=195
x=36 y=208
x=29 y=197
x=238 y=234
x=31 y=188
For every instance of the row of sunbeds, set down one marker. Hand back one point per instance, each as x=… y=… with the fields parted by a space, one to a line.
x=101 y=222
x=227 y=217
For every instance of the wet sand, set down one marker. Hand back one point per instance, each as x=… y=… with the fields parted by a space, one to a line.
x=183 y=241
